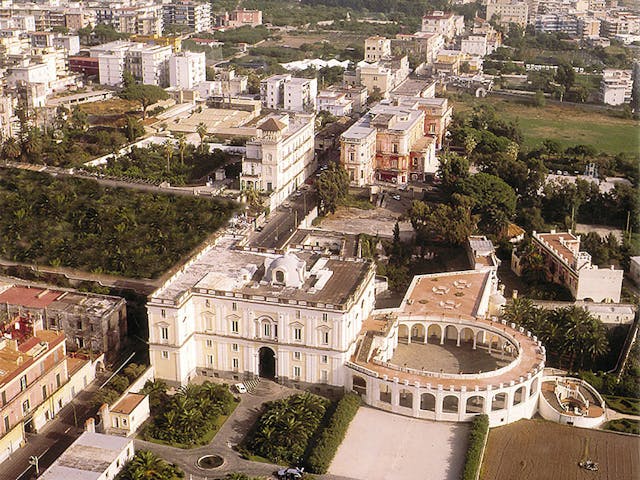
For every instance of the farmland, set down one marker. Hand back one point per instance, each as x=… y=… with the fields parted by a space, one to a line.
x=537 y=449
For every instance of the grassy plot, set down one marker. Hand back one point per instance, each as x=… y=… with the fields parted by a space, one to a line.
x=567 y=124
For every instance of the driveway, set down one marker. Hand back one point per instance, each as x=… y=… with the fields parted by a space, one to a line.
x=393 y=447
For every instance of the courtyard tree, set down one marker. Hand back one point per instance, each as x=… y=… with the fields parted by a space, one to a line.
x=11 y=149
x=333 y=187
x=201 y=130
x=441 y=222
x=453 y=168
x=145 y=95
x=146 y=465
x=491 y=198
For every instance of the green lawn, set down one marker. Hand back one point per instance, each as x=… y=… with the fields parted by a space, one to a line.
x=624 y=425
x=567 y=124
x=630 y=406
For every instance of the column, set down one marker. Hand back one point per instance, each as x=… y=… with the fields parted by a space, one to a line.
x=426 y=333
x=458 y=339
x=475 y=337
x=443 y=333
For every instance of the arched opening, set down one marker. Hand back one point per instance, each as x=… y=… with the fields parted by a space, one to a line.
x=417 y=333
x=385 y=393
x=451 y=334
x=267 y=363
x=520 y=395
x=534 y=387
x=359 y=385
x=99 y=367
x=450 y=404
x=406 y=398
x=434 y=332
x=475 y=404
x=466 y=335
x=403 y=333
x=428 y=402
x=480 y=337
x=499 y=402
x=279 y=276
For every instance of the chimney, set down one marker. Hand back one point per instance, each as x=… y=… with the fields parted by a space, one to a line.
x=90 y=425
x=105 y=418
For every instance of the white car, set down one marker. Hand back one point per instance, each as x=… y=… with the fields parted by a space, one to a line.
x=240 y=388
x=395 y=197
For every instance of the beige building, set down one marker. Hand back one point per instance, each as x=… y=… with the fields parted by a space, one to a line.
x=444 y=23
x=239 y=314
x=508 y=11
x=566 y=265
x=280 y=157
x=376 y=48
x=382 y=76
x=358 y=152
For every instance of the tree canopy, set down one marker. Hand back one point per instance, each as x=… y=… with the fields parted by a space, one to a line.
x=145 y=95
x=333 y=187
x=492 y=199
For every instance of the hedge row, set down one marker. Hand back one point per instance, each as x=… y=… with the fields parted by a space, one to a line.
x=477 y=436
x=331 y=437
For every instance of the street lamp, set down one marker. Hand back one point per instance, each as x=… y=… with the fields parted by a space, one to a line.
x=33 y=460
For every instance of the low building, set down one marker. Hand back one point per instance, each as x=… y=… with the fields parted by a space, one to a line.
x=634 y=269
x=444 y=23
x=382 y=76
x=242 y=17
x=92 y=322
x=93 y=456
x=420 y=45
x=616 y=86
x=335 y=102
x=376 y=48
x=566 y=265
x=126 y=415
x=481 y=253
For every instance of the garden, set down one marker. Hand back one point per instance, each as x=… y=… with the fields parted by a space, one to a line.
x=189 y=418
x=302 y=429
x=148 y=466
x=78 y=223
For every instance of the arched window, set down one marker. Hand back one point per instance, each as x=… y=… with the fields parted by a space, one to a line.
x=279 y=276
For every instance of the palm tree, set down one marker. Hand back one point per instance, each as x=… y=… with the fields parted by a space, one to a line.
x=146 y=466
x=167 y=147
x=10 y=149
x=182 y=145
x=201 y=130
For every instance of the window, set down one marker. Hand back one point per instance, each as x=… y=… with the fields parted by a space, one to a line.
x=297 y=334
x=296 y=372
x=324 y=376
x=80 y=342
x=164 y=333
x=25 y=407
x=7 y=424
x=209 y=343
x=4 y=397
x=234 y=326
x=235 y=363
x=298 y=314
x=23 y=382
x=266 y=328
x=279 y=276
x=44 y=392
x=165 y=354
x=325 y=338
x=210 y=360
x=297 y=355
x=234 y=306
x=324 y=359
x=58 y=382
x=207 y=303
x=234 y=347
x=325 y=317
x=163 y=313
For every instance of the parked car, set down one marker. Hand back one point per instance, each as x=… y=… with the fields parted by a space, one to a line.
x=294 y=473
x=240 y=388
x=395 y=197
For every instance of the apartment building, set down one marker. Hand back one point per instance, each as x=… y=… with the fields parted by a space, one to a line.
x=566 y=265
x=474 y=45
x=616 y=86
x=620 y=23
x=194 y=16
x=376 y=48
x=444 y=23
x=421 y=44
x=148 y=64
x=44 y=17
x=437 y=114
x=335 y=102
x=289 y=93
x=37 y=379
x=242 y=17
x=358 y=152
x=187 y=69
x=382 y=76
x=134 y=20
x=280 y=157
x=508 y=11
x=96 y=323
x=240 y=314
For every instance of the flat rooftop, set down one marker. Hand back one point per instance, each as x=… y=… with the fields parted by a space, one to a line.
x=449 y=294
x=88 y=457
x=223 y=268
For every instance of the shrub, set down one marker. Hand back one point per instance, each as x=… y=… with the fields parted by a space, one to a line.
x=477 y=436
x=331 y=437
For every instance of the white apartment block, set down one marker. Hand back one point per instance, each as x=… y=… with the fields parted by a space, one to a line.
x=289 y=93
x=239 y=314
x=187 y=69
x=281 y=156
x=193 y=15
x=508 y=11
x=616 y=86
x=134 y=20
x=358 y=152
x=444 y=23
x=376 y=48
x=335 y=102
x=148 y=64
x=566 y=265
x=474 y=45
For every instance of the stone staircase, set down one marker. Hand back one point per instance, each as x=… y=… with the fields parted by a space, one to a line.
x=251 y=385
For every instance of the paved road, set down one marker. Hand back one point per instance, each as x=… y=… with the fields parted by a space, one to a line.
x=231 y=433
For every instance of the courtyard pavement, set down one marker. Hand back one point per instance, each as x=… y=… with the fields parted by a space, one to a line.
x=447 y=358
x=385 y=446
